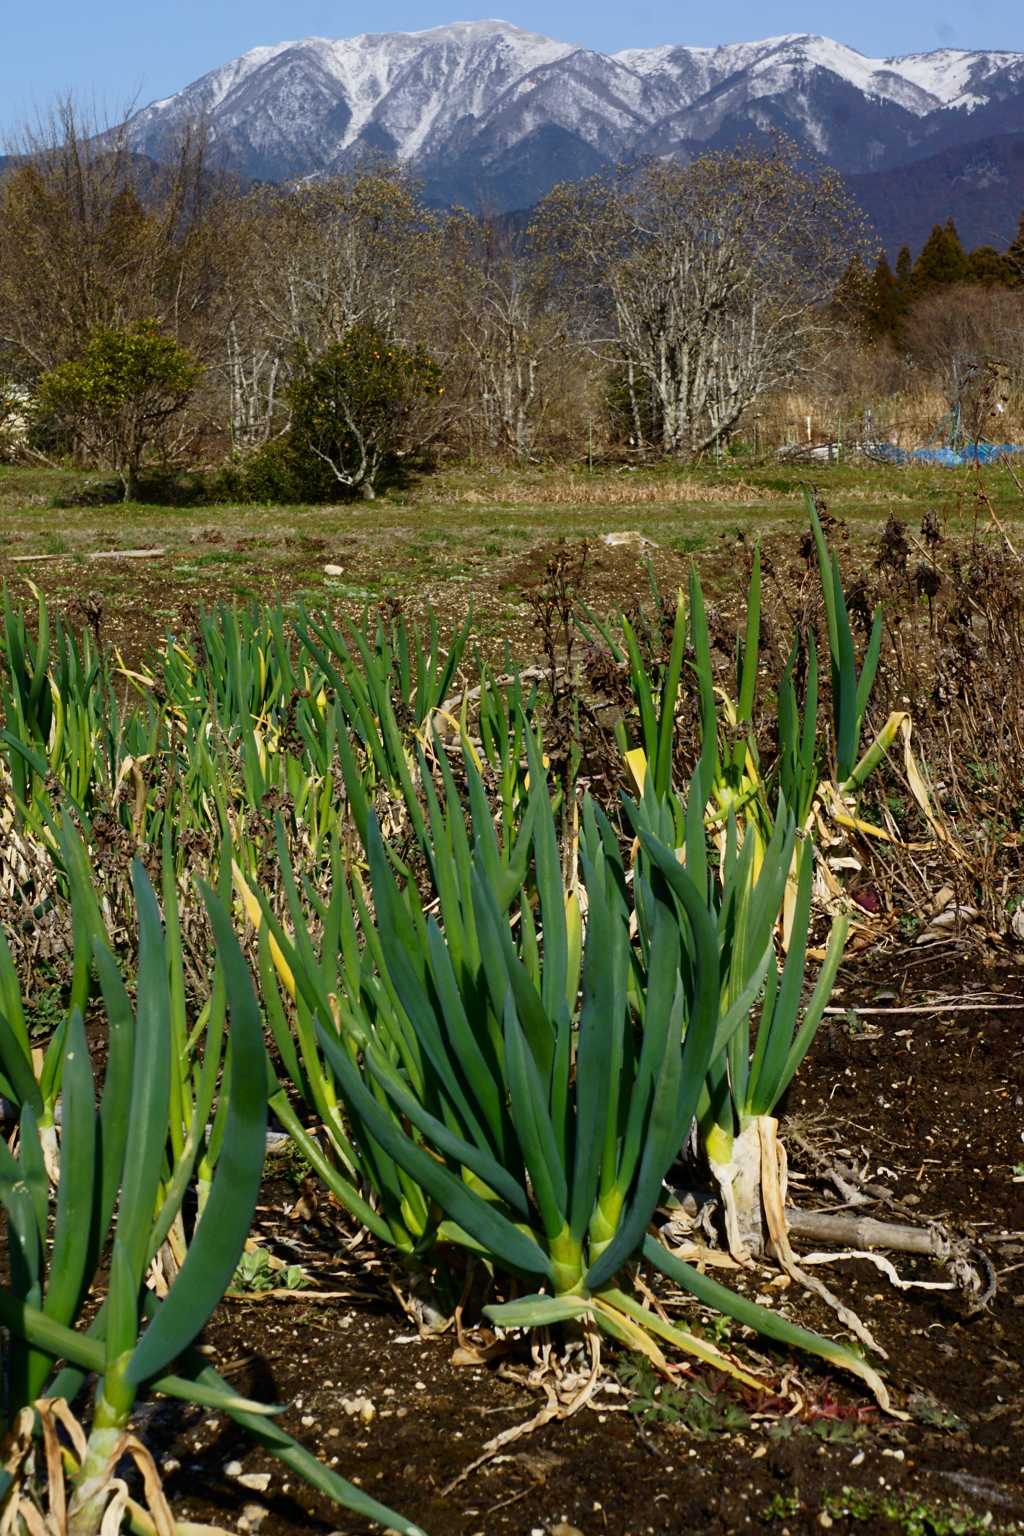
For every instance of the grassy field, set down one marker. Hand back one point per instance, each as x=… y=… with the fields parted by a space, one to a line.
x=454 y=537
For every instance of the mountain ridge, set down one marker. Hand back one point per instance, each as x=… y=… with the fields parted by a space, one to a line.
x=464 y=104
x=486 y=113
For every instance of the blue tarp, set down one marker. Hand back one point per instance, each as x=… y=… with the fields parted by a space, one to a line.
x=951 y=458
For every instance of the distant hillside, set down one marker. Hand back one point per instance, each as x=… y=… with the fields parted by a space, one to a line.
x=980 y=185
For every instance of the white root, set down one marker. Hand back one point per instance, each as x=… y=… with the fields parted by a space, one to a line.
x=773 y=1158
x=880 y=1262
x=566 y=1395
x=739 y=1182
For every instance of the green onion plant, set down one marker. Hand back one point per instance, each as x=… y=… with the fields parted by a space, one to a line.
x=749 y=810
x=517 y=1074
x=116 y=1191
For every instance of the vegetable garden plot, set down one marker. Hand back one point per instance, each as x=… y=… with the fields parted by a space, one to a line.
x=492 y=1010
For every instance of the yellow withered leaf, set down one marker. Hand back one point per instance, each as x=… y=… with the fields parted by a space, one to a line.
x=636 y=767
x=460 y=729
x=254 y=912
x=919 y=789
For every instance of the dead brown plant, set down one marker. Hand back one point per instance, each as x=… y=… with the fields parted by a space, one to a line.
x=626 y=490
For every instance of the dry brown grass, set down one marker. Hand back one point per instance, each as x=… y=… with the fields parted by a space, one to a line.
x=624 y=489
x=913 y=414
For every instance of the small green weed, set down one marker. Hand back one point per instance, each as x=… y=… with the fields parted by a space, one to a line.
x=344 y=593
x=56 y=544
x=783 y=1429
x=47 y=1007
x=709 y=1413
x=255 y=1274
x=223 y=557
x=287 y=1162
x=914 y=1516
x=783 y=1506
x=925 y=1410
x=718 y=1328
x=704 y=1409
x=654 y=1400
x=851 y=1022
x=837 y=1431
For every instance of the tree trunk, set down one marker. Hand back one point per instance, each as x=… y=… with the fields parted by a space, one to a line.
x=866 y=1232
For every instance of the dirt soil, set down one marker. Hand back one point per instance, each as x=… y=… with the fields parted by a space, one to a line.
x=924 y=1105
x=142 y=600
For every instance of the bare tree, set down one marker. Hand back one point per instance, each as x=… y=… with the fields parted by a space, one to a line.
x=93 y=235
x=324 y=256
x=254 y=367
x=970 y=341
x=711 y=282
x=505 y=334
x=351 y=249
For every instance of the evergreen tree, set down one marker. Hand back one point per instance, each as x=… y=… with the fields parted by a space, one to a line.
x=905 y=275
x=883 y=311
x=1015 y=255
x=942 y=261
x=989 y=267
x=854 y=294
x=128 y=384
x=351 y=407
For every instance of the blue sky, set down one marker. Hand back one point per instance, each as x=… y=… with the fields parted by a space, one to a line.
x=110 y=51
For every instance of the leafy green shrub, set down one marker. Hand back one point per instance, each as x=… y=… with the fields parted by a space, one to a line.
x=273 y=473
x=353 y=405
x=126 y=386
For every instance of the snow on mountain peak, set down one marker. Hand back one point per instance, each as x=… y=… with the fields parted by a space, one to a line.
x=471 y=93
x=938 y=78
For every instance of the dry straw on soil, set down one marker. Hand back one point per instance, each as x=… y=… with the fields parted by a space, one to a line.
x=624 y=490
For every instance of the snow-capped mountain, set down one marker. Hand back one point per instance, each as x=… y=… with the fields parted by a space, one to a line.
x=484 y=108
